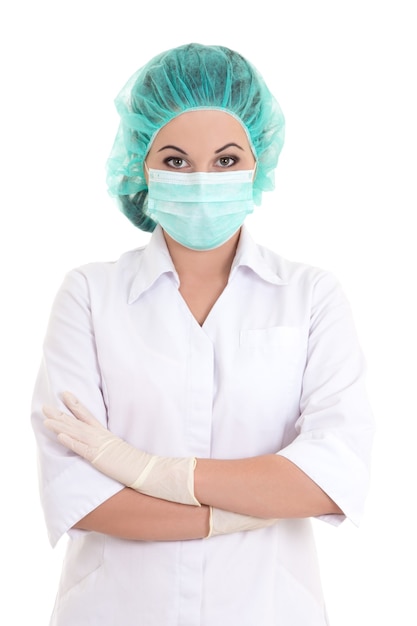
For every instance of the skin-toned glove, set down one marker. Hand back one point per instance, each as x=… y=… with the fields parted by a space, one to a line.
x=167 y=478
x=161 y=477
x=226 y=522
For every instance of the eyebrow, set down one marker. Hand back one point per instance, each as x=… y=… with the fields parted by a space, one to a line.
x=172 y=148
x=228 y=146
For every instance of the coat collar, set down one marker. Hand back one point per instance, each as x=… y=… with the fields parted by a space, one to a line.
x=258 y=259
x=155 y=261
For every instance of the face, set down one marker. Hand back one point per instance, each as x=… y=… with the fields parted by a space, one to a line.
x=201 y=141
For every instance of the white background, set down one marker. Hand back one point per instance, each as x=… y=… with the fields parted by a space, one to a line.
x=345 y=76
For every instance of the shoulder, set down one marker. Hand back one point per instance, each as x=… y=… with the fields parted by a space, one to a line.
x=311 y=284
x=92 y=272
x=291 y=271
x=100 y=276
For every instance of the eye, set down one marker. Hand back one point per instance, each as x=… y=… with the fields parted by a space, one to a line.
x=226 y=161
x=176 y=162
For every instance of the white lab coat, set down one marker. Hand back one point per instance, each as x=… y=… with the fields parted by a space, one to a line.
x=275 y=368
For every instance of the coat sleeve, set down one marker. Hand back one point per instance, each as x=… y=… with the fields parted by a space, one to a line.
x=335 y=428
x=69 y=486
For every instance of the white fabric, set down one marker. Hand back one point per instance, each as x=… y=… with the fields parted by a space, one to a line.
x=275 y=368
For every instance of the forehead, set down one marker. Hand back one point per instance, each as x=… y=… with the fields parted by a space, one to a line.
x=203 y=125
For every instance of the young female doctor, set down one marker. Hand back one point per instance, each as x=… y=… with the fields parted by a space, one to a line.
x=202 y=397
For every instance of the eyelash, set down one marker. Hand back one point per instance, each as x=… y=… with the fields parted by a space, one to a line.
x=229 y=157
x=170 y=162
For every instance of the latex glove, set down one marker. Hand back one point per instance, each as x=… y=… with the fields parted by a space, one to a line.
x=225 y=522
x=161 y=477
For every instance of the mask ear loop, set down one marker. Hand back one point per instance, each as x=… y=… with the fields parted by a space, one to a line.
x=146 y=172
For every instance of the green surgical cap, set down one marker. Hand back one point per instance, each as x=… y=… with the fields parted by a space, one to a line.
x=187 y=78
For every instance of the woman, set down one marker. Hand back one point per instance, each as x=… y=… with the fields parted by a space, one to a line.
x=216 y=397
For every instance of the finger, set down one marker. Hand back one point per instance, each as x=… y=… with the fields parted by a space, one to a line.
x=53 y=425
x=53 y=413
x=80 y=448
x=61 y=426
x=78 y=409
x=76 y=430
x=56 y=420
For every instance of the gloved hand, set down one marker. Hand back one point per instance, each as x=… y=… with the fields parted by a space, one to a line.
x=161 y=477
x=225 y=522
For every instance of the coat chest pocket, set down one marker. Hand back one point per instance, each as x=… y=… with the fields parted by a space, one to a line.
x=270 y=368
x=276 y=339
x=272 y=355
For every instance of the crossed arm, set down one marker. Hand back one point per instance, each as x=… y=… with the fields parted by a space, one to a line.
x=133 y=515
x=268 y=486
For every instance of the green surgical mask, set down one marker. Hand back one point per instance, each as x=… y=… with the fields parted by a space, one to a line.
x=201 y=210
